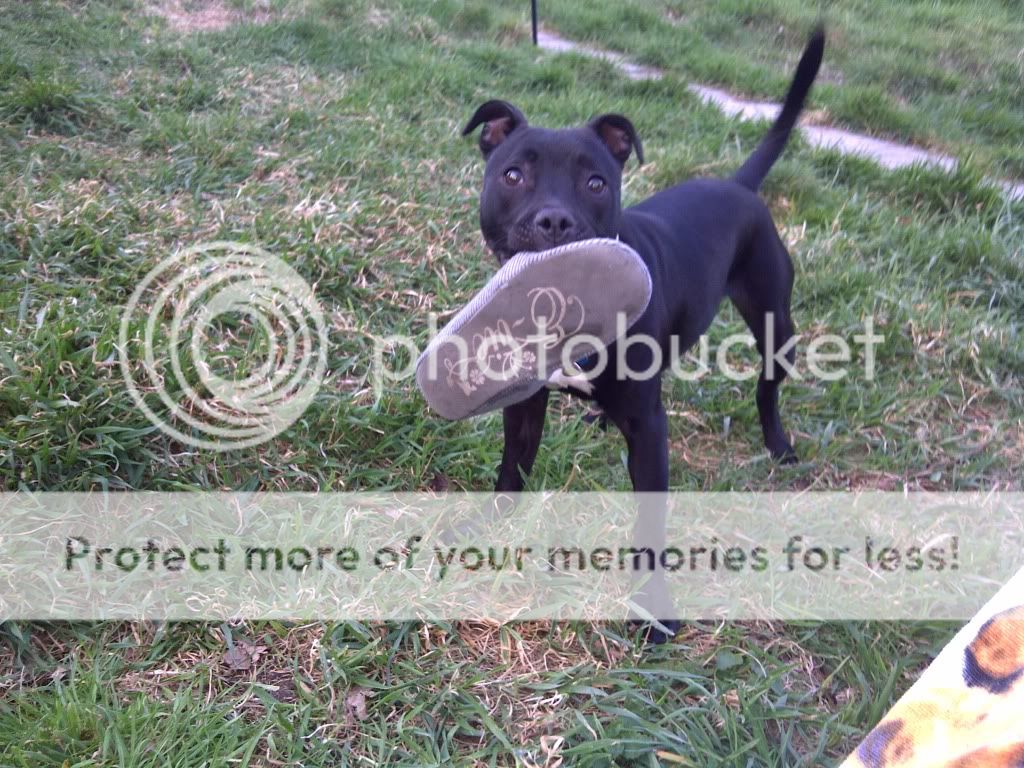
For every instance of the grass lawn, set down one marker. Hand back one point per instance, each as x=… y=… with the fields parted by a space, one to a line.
x=946 y=75
x=326 y=131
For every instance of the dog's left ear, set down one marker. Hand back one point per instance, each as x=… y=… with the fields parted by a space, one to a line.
x=619 y=135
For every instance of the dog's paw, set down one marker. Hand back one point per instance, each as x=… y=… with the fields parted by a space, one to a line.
x=653 y=634
x=480 y=521
x=783 y=453
x=460 y=533
x=788 y=457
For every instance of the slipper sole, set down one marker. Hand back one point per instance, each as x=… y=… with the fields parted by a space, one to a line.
x=508 y=341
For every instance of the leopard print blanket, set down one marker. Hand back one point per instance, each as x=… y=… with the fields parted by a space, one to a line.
x=967 y=709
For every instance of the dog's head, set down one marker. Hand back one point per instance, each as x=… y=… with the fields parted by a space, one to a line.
x=543 y=187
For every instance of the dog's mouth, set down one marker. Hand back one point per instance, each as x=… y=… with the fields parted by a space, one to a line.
x=527 y=233
x=503 y=253
x=507 y=248
x=502 y=249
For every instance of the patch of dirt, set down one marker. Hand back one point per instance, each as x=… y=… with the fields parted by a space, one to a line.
x=204 y=15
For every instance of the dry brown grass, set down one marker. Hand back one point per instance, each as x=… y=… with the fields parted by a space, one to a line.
x=205 y=15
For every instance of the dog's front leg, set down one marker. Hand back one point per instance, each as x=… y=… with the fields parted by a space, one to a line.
x=640 y=415
x=524 y=425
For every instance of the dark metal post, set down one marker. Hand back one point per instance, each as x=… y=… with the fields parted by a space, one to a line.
x=533 y=11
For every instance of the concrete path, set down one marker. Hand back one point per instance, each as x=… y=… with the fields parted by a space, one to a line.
x=887 y=154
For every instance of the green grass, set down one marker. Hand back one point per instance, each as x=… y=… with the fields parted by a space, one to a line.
x=944 y=75
x=329 y=135
x=404 y=694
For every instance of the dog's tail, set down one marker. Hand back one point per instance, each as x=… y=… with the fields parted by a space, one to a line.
x=752 y=172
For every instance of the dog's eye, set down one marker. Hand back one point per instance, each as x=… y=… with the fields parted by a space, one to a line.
x=596 y=184
x=513 y=177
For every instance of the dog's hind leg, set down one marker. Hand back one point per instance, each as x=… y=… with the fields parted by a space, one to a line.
x=761 y=290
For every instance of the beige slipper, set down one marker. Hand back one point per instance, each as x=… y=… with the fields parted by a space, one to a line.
x=508 y=342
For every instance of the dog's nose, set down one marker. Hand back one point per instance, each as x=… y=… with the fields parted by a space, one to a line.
x=554 y=225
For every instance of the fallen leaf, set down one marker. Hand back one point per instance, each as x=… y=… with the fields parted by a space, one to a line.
x=355 y=704
x=672 y=757
x=242 y=655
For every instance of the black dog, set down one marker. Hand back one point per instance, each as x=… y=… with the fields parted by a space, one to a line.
x=701 y=240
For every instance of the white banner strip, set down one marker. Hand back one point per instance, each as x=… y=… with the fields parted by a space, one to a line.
x=350 y=556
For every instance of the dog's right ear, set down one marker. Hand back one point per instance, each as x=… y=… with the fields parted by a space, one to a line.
x=499 y=119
